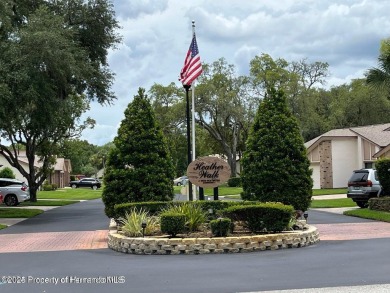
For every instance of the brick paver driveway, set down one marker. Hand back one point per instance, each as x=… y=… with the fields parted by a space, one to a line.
x=84 y=226
x=78 y=226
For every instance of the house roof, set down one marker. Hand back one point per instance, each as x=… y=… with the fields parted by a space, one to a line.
x=59 y=166
x=378 y=134
x=382 y=151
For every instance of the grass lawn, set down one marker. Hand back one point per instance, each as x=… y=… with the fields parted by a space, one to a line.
x=222 y=190
x=333 y=203
x=46 y=202
x=19 y=213
x=234 y=192
x=369 y=214
x=71 y=194
x=330 y=191
x=3 y=226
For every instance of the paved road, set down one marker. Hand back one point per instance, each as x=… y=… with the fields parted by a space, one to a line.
x=355 y=261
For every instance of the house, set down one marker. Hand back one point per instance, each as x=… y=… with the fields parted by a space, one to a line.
x=335 y=154
x=60 y=175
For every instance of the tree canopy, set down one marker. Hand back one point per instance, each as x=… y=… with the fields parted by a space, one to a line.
x=53 y=62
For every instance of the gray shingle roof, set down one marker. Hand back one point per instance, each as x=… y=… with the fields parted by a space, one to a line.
x=378 y=134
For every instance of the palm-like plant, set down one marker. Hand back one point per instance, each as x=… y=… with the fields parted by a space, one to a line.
x=194 y=214
x=132 y=223
x=379 y=78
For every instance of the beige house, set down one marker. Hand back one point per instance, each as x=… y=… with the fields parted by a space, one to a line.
x=335 y=154
x=60 y=175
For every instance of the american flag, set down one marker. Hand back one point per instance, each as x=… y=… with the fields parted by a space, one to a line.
x=192 y=66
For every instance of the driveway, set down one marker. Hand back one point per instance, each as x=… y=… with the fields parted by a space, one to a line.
x=333 y=262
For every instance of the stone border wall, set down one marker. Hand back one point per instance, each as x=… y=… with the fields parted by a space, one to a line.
x=173 y=246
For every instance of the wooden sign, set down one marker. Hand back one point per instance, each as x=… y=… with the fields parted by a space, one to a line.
x=208 y=172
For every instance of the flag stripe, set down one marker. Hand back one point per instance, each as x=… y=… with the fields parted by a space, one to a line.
x=192 y=66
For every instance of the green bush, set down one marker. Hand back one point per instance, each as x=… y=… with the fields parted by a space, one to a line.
x=195 y=216
x=7 y=172
x=54 y=186
x=275 y=163
x=47 y=187
x=220 y=227
x=140 y=166
x=172 y=223
x=262 y=217
x=72 y=178
x=234 y=182
x=153 y=208
x=132 y=223
x=383 y=168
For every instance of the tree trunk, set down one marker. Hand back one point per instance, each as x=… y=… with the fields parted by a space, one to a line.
x=33 y=193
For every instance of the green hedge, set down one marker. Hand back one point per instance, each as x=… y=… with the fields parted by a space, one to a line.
x=172 y=223
x=234 y=182
x=262 y=217
x=379 y=203
x=154 y=207
x=383 y=168
x=220 y=227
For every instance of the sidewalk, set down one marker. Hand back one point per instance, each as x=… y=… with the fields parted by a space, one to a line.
x=329 y=196
x=13 y=221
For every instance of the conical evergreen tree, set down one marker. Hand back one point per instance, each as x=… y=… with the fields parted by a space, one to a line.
x=275 y=163
x=140 y=167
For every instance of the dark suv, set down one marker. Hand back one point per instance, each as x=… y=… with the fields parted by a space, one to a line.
x=86 y=182
x=363 y=185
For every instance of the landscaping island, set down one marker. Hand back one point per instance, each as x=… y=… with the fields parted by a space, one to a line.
x=212 y=245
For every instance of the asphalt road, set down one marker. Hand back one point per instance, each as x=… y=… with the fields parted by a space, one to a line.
x=326 y=264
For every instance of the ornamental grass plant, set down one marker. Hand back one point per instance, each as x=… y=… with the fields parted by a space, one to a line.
x=132 y=223
x=194 y=214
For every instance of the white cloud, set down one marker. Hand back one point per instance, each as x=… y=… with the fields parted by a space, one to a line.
x=156 y=36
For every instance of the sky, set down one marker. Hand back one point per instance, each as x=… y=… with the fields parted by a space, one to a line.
x=157 y=33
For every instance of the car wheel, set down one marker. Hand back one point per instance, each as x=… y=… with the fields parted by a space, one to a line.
x=11 y=200
x=74 y=186
x=178 y=184
x=362 y=204
x=94 y=187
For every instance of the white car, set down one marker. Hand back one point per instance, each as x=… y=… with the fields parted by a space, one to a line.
x=179 y=181
x=14 y=191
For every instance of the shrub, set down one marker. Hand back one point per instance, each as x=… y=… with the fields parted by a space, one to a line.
x=54 y=186
x=275 y=163
x=172 y=223
x=263 y=216
x=72 y=178
x=220 y=227
x=234 y=182
x=152 y=208
x=383 y=168
x=379 y=203
x=194 y=214
x=132 y=223
x=155 y=207
x=140 y=167
x=7 y=172
x=47 y=187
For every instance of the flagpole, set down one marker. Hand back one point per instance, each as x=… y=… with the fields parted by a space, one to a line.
x=193 y=117
x=187 y=88
x=191 y=70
